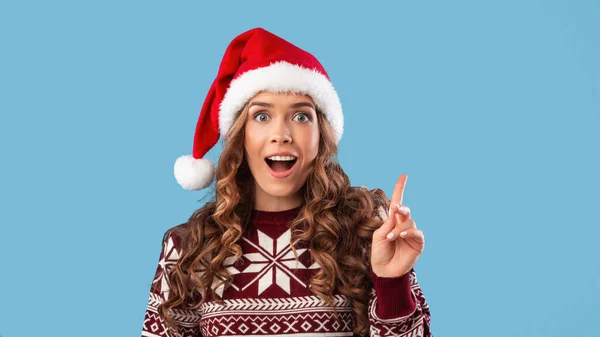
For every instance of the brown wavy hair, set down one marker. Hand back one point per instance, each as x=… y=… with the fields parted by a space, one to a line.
x=336 y=220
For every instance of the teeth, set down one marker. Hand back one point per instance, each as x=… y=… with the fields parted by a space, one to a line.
x=281 y=158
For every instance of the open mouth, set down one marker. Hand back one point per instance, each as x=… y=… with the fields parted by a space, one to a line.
x=281 y=163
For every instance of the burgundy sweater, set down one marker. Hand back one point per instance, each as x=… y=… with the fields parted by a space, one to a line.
x=271 y=296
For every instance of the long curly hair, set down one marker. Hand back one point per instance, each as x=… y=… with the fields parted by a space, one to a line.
x=336 y=220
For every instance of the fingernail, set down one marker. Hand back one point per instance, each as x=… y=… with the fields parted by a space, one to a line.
x=391 y=235
x=402 y=234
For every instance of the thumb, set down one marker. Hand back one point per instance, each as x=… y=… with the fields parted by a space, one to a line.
x=414 y=234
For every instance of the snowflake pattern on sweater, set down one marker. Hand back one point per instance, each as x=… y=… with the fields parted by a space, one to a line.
x=270 y=295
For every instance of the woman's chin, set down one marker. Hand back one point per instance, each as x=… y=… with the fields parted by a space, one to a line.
x=280 y=190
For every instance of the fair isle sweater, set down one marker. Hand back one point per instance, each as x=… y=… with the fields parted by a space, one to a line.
x=270 y=295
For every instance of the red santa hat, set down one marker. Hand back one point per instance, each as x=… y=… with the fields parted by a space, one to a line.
x=254 y=61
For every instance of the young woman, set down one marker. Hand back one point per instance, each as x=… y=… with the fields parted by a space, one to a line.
x=287 y=247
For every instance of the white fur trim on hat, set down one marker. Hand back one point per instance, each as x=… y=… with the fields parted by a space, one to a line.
x=194 y=174
x=282 y=77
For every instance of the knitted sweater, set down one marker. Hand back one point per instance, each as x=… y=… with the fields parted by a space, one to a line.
x=271 y=296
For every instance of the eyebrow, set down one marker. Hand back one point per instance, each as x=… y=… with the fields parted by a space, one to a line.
x=293 y=106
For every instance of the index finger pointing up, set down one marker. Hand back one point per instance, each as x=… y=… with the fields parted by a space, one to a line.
x=398 y=193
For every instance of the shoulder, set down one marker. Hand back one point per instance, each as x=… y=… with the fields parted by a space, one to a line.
x=173 y=237
x=376 y=195
x=181 y=235
x=379 y=200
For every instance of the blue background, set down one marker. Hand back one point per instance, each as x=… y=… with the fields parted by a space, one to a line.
x=491 y=108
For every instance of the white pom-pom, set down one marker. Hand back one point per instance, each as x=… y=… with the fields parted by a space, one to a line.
x=194 y=174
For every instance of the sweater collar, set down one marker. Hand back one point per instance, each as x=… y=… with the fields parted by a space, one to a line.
x=274 y=218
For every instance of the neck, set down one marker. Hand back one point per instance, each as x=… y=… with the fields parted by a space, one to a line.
x=272 y=203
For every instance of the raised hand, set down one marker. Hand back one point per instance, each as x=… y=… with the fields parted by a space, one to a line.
x=398 y=243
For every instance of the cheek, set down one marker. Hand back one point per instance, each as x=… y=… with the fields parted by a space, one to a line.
x=311 y=143
x=252 y=144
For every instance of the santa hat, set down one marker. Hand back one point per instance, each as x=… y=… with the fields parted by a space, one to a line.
x=255 y=61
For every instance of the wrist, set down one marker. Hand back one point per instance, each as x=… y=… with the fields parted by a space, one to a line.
x=383 y=273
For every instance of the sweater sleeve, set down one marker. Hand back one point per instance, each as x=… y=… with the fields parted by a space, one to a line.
x=398 y=308
x=188 y=321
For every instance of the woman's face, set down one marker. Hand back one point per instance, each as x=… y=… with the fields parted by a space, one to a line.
x=281 y=142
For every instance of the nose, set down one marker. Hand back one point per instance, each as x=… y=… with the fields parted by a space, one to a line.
x=281 y=134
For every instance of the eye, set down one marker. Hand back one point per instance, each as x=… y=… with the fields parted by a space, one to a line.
x=261 y=117
x=302 y=117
